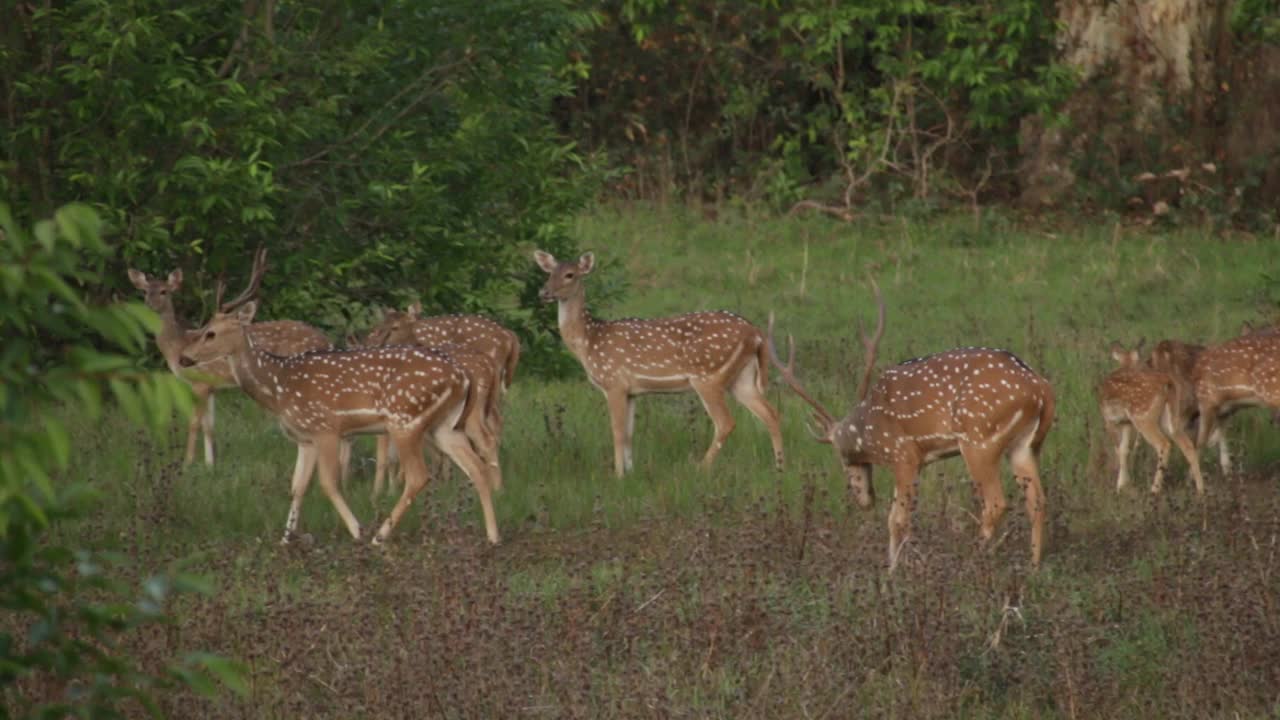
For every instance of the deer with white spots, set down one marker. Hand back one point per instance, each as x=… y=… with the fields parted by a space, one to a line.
x=282 y=337
x=1239 y=373
x=1178 y=359
x=486 y=351
x=1153 y=402
x=320 y=398
x=710 y=353
x=979 y=403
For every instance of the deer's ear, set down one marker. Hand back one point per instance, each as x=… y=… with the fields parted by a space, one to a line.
x=415 y=309
x=587 y=262
x=1117 y=352
x=246 y=312
x=138 y=278
x=175 y=280
x=545 y=260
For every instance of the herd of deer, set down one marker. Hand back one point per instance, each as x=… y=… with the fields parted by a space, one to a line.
x=444 y=377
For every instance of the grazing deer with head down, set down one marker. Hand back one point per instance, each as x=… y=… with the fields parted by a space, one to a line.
x=1152 y=402
x=706 y=352
x=320 y=398
x=485 y=350
x=1239 y=373
x=1179 y=359
x=979 y=403
x=283 y=337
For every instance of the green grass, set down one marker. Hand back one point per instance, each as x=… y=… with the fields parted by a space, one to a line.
x=744 y=592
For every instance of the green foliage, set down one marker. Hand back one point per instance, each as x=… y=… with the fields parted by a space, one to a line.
x=381 y=151
x=920 y=98
x=1256 y=20
x=66 y=613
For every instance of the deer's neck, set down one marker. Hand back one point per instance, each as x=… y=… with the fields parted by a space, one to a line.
x=856 y=437
x=260 y=374
x=575 y=324
x=172 y=338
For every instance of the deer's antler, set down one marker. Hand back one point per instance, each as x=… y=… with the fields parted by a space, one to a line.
x=872 y=344
x=250 y=292
x=821 y=418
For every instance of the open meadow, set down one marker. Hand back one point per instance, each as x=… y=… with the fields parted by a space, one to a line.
x=744 y=592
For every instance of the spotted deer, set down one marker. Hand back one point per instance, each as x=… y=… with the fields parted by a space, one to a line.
x=1273 y=328
x=486 y=351
x=980 y=403
x=1239 y=373
x=320 y=398
x=706 y=352
x=1134 y=397
x=283 y=337
x=1178 y=359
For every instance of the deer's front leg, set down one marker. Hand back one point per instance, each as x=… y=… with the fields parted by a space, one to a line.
x=620 y=404
x=904 y=502
x=303 y=469
x=329 y=453
x=1124 y=437
x=202 y=394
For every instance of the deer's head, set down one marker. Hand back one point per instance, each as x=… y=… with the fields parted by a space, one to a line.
x=1129 y=357
x=845 y=436
x=396 y=327
x=564 y=279
x=157 y=293
x=223 y=337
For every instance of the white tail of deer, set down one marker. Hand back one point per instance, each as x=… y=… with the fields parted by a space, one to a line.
x=320 y=398
x=1153 y=402
x=485 y=350
x=979 y=403
x=706 y=352
x=1239 y=373
x=282 y=337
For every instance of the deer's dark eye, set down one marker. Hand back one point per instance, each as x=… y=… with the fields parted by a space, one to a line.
x=209 y=335
x=568 y=276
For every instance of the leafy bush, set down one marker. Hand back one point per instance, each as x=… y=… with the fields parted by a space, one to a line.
x=60 y=652
x=381 y=151
x=919 y=99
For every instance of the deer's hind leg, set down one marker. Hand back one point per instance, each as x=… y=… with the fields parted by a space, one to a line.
x=1026 y=469
x=408 y=443
x=1149 y=428
x=746 y=390
x=984 y=467
x=456 y=445
x=713 y=399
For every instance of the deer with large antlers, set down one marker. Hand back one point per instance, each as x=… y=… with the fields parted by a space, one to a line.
x=321 y=398
x=1153 y=402
x=979 y=403
x=710 y=353
x=486 y=351
x=1239 y=373
x=283 y=337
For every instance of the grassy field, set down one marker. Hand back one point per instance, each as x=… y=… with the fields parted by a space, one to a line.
x=744 y=592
